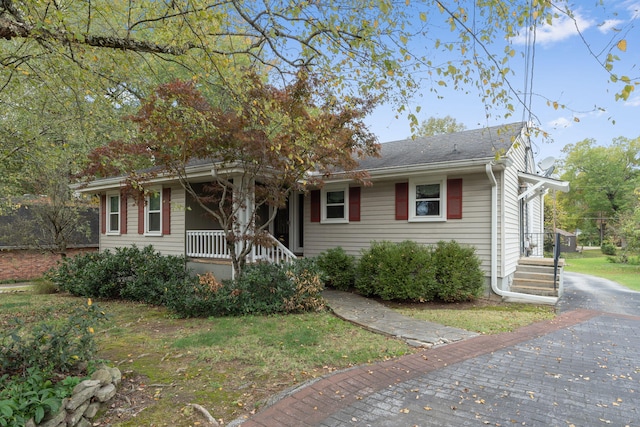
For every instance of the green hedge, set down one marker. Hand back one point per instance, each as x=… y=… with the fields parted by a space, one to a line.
x=338 y=268
x=127 y=273
x=409 y=271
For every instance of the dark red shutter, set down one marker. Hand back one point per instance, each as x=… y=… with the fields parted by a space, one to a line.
x=141 y=202
x=354 y=203
x=402 y=200
x=315 y=206
x=123 y=213
x=103 y=214
x=166 y=211
x=454 y=198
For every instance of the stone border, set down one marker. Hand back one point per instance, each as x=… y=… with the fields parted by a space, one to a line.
x=86 y=400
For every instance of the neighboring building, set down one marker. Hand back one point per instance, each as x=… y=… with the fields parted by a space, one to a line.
x=26 y=252
x=477 y=187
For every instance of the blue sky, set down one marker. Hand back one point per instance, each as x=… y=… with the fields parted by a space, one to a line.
x=564 y=71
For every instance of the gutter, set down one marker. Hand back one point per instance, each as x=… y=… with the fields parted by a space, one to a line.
x=494 y=250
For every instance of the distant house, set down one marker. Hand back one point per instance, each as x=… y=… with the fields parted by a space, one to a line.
x=568 y=241
x=26 y=251
x=477 y=187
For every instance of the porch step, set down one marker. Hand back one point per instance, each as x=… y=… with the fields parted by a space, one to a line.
x=535 y=276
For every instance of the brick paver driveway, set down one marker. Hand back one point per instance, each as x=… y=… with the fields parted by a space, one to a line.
x=581 y=369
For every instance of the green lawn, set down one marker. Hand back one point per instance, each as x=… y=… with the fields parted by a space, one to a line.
x=593 y=262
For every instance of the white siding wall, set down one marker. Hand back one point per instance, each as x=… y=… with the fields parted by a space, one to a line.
x=377 y=222
x=172 y=244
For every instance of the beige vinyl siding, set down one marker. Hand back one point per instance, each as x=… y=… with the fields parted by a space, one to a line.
x=511 y=220
x=377 y=222
x=172 y=244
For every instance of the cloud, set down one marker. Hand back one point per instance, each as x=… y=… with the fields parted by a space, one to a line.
x=561 y=29
x=609 y=24
x=633 y=7
x=633 y=102
x=561 y=123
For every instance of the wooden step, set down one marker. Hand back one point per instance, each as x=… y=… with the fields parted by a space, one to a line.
x=540 y=261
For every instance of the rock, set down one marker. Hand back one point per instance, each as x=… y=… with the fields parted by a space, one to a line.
x=74 y=417
x=106 y=393
x=92 y=410
x=85 y=384
x=102 y=375
x=82 y=396
x=57 y=419
x=116 y=376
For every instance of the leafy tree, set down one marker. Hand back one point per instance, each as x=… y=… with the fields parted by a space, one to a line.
x=438 y=126
x=264 y=142
x=603 y=180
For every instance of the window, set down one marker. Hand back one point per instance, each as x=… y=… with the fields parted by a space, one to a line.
x=153 y=213
x=426 y=200
x=335 y=205
x=113 y=214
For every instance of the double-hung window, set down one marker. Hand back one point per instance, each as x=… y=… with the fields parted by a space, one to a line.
x=335 y=204
x=113 y=213
x=153 y=213
x=427 y=201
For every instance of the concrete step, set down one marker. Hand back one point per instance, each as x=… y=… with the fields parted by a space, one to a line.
x=534 y=283
x=535 y=275
x=539 y=261
x=534 y=290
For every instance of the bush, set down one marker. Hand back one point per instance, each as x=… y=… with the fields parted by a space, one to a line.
x=608 y=248
x=400 y=271
x=31 y=359
x=458 y=272
x=338 y=268
x=262 y=289
x=128 y=273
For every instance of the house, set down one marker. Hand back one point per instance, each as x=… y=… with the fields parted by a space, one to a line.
x=27 y=247
x=478 y=187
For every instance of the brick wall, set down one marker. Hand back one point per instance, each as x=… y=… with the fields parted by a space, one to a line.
x=28 y=264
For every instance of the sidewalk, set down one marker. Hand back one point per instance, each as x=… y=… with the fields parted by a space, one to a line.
x=580 y=368
x=374 y=316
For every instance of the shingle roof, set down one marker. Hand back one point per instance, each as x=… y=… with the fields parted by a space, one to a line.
x=467 y=145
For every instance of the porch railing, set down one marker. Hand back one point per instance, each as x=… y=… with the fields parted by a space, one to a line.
x=212 y=244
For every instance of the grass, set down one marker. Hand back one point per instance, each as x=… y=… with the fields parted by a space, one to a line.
x=593 y=262
x=228 y=365
x=481 y=318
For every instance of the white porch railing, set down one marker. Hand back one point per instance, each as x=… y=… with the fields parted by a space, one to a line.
x=212 y=244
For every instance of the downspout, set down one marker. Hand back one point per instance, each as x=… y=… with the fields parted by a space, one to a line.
x=494 y=250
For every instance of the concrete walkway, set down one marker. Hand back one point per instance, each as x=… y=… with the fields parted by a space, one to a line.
x=581 y=368
x=376 y=317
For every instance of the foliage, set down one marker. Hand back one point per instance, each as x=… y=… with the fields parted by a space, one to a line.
x=53 y=345
x=300 y=131
x=264 y=288
x=608 y=248
x=409 y=271
x=402 y=271
x=458 y=272
x=438 y=126
x=338 y=268
x=32 y=396
x=129 y=273
x=603 y=180
x=32 y=356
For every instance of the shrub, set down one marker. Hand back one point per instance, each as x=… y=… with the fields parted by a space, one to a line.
x=400 y=271
x=262 y=289
x=54 y=344
x=128 y=273
x=338 y=268
x=457 y=271
x=608 y=248
x=31 y=359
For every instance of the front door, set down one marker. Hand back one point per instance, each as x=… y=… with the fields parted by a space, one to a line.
x=281 y=225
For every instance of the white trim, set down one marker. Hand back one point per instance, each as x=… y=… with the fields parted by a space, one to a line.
x=108 y=213
x=147 y=211
x=427 y=180
x=323 y=204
